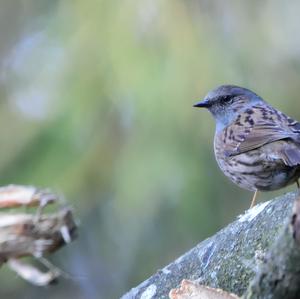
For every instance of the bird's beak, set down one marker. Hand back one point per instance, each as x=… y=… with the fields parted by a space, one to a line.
x=202 y=104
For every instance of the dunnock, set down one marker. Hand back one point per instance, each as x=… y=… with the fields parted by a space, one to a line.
x=256 y=146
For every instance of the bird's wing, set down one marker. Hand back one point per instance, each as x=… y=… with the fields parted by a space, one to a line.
x=262 y=134
x=260 y=128
x=289 y=153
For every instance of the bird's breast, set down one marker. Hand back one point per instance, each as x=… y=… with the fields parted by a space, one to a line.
x=259 y=169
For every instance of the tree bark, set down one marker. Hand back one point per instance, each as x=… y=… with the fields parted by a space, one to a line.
x=279 y=275
x=230 y=259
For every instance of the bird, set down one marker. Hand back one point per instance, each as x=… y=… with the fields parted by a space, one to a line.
x=256 y=146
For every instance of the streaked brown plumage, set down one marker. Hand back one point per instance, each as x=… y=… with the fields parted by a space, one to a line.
x=256 y=146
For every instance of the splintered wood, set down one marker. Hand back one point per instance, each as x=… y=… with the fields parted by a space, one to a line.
x=35 y=235
x=15 y=196
x=192 y=290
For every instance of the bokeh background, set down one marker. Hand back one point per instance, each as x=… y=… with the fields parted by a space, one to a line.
x=96 y=103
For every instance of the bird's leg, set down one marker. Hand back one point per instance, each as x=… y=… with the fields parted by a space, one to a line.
x=254 y=199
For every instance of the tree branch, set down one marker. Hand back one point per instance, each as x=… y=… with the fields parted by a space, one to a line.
x=279 y=275
x=229 y=259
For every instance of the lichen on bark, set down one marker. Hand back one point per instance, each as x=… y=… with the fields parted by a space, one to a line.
x=229 y=259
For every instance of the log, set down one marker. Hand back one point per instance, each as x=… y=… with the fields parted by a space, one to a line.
x=231 y=258
x=278 y=276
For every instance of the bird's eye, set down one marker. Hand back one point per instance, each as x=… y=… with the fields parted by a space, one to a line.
x=227 y=99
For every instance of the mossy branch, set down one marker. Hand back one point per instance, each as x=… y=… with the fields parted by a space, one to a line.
x=235 y=256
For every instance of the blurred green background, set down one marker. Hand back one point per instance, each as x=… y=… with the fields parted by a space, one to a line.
x=96 y=103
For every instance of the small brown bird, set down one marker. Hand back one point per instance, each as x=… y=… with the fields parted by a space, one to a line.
x=256 y=146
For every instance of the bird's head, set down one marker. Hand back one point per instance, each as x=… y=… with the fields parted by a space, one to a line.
x=227 y=101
